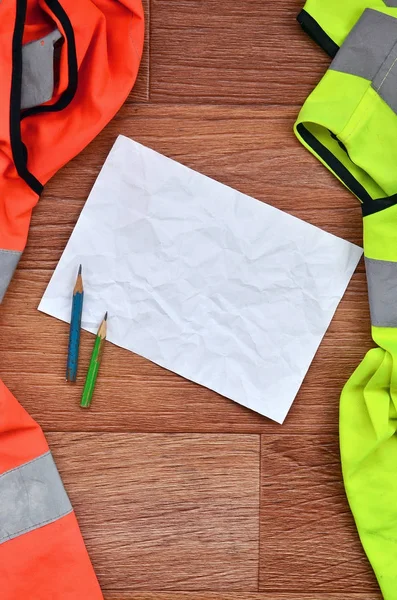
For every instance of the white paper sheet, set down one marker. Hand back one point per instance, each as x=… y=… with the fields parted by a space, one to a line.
x=205 y=281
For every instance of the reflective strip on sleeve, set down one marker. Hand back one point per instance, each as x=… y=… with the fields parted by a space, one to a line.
x=390 y=2
x=367 y=45
x=370 y=51
x=382 y=291
x=38 y=70
x=31 y=496
x=8 y=263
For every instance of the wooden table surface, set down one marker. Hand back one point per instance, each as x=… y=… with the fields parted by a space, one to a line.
x=182 y=494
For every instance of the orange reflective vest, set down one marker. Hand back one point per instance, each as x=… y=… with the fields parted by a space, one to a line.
x=42 y=553
x=66 y=68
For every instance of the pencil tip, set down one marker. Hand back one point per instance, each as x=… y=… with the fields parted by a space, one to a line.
x=106 y=316
x=80 y=269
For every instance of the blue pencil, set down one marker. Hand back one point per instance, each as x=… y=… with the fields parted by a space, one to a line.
x=75 y=328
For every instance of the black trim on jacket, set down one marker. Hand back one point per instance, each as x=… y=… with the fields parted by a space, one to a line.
x=71 y=89
x=369 y=205
x=317 y=33
x=18 y=148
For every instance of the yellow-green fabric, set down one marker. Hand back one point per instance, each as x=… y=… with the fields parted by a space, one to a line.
x=326 y=20
x=346 y=124
x=349 y=123
x=368 y=423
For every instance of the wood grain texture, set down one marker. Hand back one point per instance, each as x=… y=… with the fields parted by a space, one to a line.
x=148 y=397
x=308 y=536
x=165 y=511
x=251 y=149
x=239 y=596
x=241 y=52
x=179 y=517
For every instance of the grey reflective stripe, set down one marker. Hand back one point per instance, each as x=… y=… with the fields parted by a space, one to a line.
x=8 y=262
x=382 y=291
x=38 y=70
x=370 y=51
x=31 y=496
x=385 y=82
x=390 y=2
x=367 y=46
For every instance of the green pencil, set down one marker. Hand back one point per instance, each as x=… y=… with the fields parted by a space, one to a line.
x=95 y=362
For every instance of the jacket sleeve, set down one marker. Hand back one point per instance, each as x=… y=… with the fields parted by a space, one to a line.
x=328 y=22
x=349 y=121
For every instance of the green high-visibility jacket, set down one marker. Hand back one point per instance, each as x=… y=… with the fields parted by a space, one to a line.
x=349 y=123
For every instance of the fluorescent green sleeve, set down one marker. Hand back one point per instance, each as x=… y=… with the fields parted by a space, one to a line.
x=349 y=123
x=328 y=22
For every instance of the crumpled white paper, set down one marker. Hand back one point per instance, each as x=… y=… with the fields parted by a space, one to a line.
x=225 y=290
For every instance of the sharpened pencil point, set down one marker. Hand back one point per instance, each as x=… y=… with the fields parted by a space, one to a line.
x=80 y=269
x=93 y=368
x=105 y=318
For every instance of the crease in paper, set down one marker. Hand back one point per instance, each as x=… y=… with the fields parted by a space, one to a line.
x=207 y=282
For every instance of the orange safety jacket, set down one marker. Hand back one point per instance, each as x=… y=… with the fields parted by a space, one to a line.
x=42 y=552
x=66 y=68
